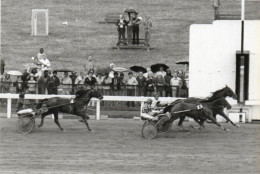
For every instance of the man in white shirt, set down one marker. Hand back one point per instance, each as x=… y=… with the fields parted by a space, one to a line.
x=131 y=86
x=176 y=83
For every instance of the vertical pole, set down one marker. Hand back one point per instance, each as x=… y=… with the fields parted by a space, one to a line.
x=47 y=21
x=242 y=24
x=9 y=107
x=98 y=110
x=142 y=105
x=35 y=23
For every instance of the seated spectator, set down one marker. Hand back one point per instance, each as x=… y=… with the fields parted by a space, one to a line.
x=141 y=84
x=99 y=79
x=107 y=84
x=149 y=87
x=90 y=81
x=160 y=84
x=131 y=85
x=67 y=83
x=56 y=83
x=161 y=71
x=176 y=83
x=168 y=88
x=25 y=78
x=32 y=85
x=41 y=54
x=45 y=63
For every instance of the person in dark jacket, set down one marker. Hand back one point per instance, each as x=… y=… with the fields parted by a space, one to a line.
x=90 y=81
x=56 y=83
x=121 y=25
x=115 y=86
x=25 y=78
x=141 y=83
x=168 y=88
x=45 y=82
x=136 y=22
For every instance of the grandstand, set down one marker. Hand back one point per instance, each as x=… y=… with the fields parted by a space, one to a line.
x=84 y=35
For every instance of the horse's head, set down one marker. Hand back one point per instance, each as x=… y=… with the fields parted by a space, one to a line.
x=96 y=94
x=222 y=102
x=229 y=92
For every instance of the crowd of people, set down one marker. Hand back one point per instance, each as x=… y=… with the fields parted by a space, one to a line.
x=46 y=81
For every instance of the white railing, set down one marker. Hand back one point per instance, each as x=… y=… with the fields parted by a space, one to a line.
x=9 y=98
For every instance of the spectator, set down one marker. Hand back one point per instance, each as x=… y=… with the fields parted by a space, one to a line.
x=20 y=102
x=181 y=74
x=184 y=87
x=168 y=88
x=136 y=22
x=45 y=62
x=176 y=84
x=80 y=81
x=41 y=54
x=160 y=84
x=99 y=79
x=106 y=84
x=18 y=85
x=186 y=79
x=111 y=73
x=216 y=4
x=2 y=66
x=149 y=88
x=129 y=29
x=6 y=84
x=131 y=85
x=147 y=30
x=92 y=71
x=121 y=24
x=44 y=82
x=161 y=71
x=90 y=81
x=115 y=84
x=73 y=77
x=67 y=82
x=141 y=84
x=148 y=71
x=32 y=85
x=122 y=82
x=25 y=78
x=56 y=83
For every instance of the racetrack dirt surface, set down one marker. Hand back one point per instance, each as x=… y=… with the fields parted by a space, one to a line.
x=116 y=146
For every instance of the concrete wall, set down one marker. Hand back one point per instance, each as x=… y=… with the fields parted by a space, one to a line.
x=213 y=57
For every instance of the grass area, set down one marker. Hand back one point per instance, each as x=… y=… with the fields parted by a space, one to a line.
x=70 y=46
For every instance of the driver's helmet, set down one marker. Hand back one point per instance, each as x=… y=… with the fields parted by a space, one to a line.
x=149 y=101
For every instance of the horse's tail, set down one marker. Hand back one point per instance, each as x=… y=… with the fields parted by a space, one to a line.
x=169 y=107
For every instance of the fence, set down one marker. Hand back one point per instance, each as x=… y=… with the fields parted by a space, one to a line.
x=122 y=90
x=9 y=98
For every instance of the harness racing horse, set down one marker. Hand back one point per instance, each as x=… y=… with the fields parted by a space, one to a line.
x=225 y=92
x=198 y=112
x=78 y=107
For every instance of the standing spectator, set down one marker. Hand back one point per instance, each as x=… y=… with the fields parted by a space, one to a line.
x=129 y=29
x=121 y=24
x=131 y=85
x=136 y=22
x=6 y=84
x=160 y=84
x=216 y=4
x=25 y=78
x=18 y=85
x=99 y=79
x=2 y=66
x=88 y=64
x=111 y=67
x=161 y=71
x=149 y=88
x=180 y=74
x=115 y=84
x=147 y=30
x=67 y=83
x=141 y=84
x=168 y=88
x=90 y=81
x=176 y=84
x=107 y=84
x=121 y=85
x=56 y=83
x=73 y=77
x=148 y=71
x=80 y=81
x=43 y=82
x=32 y=85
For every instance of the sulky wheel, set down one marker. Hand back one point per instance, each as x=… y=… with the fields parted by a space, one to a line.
x=25 y=124
x=166 y=127
x=149 y=130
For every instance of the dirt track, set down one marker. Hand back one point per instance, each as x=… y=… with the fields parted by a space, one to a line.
x=116 y=146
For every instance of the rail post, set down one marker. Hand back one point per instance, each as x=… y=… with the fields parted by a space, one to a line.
x=142 y=105
x=9 y=107
x=98 y=110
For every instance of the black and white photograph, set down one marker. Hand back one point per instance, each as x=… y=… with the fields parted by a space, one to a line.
x=130 y=86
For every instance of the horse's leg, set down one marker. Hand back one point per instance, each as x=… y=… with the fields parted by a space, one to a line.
x=220 y=112
x=181 y=122
x=56 y=119
x=85 y=119
x=209 y=115
x=42 y=120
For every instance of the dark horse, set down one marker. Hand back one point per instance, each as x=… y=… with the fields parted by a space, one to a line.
x=224 y=92
x=196 y=111
x=76 y=106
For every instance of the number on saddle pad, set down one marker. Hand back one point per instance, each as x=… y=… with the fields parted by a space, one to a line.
x=199 y=106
